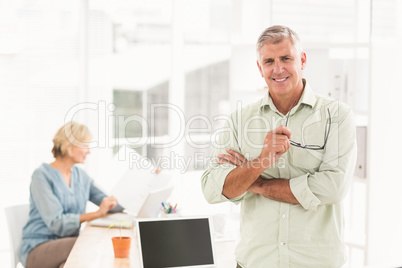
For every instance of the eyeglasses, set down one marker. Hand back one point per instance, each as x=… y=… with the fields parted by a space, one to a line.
x=312 y=147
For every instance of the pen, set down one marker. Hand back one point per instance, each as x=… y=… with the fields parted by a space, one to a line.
x=168 y=208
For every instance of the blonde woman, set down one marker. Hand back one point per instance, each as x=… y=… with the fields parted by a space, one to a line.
x=59 y=192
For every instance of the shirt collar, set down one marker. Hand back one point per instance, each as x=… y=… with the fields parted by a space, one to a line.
x=308 y=97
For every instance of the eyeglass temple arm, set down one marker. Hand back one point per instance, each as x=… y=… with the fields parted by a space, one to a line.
x=329 y=128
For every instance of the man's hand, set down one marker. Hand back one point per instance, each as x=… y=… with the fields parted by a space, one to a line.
x=275 y=189
x=247 y=175
x=233 y=158
x=257 y=186
x=276 y=143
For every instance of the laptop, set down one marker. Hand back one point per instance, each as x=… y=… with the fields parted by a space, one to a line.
x=153 y=202
x=149 y=209
x=175 y=242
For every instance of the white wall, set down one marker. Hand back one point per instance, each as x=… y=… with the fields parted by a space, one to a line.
x=385 y=213
x=385 y=198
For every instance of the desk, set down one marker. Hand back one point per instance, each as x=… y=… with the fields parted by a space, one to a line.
x=94 y=249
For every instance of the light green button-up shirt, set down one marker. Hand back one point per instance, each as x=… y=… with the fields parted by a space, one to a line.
x=278 y=234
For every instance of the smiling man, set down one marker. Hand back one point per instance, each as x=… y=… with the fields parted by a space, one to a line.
x=280 y=63
x=288 y=159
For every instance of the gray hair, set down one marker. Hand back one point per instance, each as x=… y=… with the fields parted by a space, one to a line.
x=276 y=34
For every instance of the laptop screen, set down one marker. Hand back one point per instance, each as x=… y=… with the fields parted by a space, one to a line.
x=175 y=242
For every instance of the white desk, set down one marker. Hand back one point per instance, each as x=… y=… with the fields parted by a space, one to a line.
x=94 y=249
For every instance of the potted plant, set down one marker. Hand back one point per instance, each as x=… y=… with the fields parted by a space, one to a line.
x=121 y=244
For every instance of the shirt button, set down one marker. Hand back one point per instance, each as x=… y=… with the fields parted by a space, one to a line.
x=283 y=216
x=282 y=243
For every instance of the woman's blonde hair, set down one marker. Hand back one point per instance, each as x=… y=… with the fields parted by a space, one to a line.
x=70 y=133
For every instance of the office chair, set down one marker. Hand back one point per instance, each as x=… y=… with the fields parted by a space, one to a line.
x=16 y=217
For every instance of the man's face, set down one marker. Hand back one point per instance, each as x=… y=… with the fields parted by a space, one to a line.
x=281 y=66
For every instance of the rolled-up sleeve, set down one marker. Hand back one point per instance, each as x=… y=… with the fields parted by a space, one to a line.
x=303 y=194
x=212 y=182
x=330 y=184
x=213 y=179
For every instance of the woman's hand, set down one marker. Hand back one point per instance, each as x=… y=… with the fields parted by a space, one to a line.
x=107 y=204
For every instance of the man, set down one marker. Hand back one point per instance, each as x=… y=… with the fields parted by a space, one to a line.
x=289 y=160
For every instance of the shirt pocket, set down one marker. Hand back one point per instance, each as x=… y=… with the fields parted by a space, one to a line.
x=307 y=160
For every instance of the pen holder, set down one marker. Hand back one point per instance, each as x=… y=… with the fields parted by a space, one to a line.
x=121 y=246
x=168 y=210
x=170 y=215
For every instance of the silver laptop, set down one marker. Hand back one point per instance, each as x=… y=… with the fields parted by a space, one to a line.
x=153 y=203
x=149 y=209
x=175 y=242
